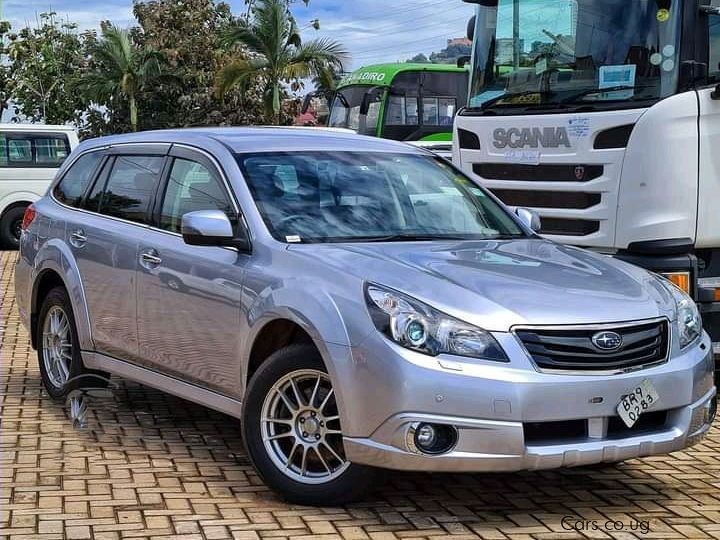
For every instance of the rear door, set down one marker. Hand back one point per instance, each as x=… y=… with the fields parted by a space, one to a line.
x=105 y=238
x=189 y=296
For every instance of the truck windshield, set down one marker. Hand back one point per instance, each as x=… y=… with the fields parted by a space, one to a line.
x=532 y=55
x=345 y=110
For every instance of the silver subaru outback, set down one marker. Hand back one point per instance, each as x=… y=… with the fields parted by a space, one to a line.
x=358 y=304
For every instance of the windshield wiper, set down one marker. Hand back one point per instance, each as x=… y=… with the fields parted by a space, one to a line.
x=591 y=91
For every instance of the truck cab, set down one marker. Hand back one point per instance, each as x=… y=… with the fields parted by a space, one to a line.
x=604 y=117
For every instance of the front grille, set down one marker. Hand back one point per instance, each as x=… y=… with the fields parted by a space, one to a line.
x=572 y=349
x=538 y=173
x=547 y=199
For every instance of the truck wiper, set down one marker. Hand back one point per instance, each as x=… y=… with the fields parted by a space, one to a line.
x=591 y=91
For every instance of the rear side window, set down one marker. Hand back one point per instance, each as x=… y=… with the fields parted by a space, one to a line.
x=129 y=188
x=33 y=150
x=76 y=180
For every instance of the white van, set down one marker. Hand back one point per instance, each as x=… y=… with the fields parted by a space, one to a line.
x=30 y=155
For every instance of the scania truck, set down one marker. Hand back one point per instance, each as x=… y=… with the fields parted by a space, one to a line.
x=604 y=117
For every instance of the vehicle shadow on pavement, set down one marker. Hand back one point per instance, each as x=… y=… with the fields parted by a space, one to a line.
x=147 y=454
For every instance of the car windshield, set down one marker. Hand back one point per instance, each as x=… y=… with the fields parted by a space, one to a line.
x=345 y=111
x=532 y=54
x=370 y=196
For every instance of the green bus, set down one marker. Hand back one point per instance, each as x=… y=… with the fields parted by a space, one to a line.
x=404 y=102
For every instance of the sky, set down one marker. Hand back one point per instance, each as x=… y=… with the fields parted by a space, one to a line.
x=372 y=30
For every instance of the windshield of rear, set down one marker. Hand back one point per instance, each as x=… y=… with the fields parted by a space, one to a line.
x=345 y=110
x=531 y=54
x=353 y=196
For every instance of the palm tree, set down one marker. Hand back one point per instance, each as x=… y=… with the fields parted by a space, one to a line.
x=275 y=54
x=123 y=70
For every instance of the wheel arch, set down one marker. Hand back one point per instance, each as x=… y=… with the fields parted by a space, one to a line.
x=55 y=265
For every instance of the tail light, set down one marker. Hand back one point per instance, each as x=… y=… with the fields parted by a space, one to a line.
x=28 y=217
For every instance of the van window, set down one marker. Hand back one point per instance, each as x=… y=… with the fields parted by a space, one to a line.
x=77 y=179
x=33 y=150
x=129 y=188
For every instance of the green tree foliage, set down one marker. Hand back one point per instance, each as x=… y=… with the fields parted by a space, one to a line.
x=4 y=69
x=186 y=33
x=275 y=55
x=121 y=71
x=45 y=66
x=419 y=59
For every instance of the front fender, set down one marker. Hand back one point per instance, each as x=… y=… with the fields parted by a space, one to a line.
x=56 y=256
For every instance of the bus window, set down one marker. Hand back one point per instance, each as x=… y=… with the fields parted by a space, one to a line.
x=438 y=111
x=402 y=111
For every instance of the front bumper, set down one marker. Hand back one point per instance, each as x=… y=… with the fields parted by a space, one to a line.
x=494 y=407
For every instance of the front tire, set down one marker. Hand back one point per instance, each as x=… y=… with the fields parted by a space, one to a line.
x=291 y=428
x=58 y=348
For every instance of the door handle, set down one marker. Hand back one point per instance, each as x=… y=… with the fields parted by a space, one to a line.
x=150 y=259
x=78 y=238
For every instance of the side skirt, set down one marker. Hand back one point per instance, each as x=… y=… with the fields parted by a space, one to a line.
x=179 y=388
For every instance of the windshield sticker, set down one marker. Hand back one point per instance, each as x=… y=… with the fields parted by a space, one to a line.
x=663 y=15
x=541 y=66
x=579 y=127
x=668 y=65
x=293 y=239
x=527 y=157
x=656 y=59
x=617 y=76
x=669 y=50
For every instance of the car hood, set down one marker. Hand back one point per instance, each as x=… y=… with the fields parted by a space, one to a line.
x=500 y=284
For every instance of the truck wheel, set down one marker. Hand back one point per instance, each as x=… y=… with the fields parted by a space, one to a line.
x=292 y=433
x=58 y=348
x=10 y=227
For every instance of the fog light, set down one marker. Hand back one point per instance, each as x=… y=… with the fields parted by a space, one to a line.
x=426 y=438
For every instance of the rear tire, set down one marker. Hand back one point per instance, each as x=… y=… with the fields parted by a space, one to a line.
x=58 y=348
x=10 y=227
x=300 y=455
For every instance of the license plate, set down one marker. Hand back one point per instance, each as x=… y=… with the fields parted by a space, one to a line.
x=638 y=401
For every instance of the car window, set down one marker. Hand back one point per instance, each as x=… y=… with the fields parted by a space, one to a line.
x=33 y=150
x=346 y=196
x=191 y=187
x=77 y=179
x=129 y=189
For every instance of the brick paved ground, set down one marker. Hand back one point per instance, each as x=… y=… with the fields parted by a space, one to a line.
x=153 y=466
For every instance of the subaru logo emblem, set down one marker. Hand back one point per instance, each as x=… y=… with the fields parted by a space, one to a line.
x=607 y=341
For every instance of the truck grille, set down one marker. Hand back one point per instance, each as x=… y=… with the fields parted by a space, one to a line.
x=572 y=349
x=538 y=173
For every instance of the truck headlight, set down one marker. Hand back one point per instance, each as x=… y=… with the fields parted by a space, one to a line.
x=689 y=322
x=419 y=327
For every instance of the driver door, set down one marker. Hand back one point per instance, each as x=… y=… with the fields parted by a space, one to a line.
x=189 y=296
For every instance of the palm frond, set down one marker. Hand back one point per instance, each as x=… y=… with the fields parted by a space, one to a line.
x=237 y=73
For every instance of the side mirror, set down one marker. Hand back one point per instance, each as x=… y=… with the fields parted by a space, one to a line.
x=368 y=98
x=462 y=61
x=210 y=228
x=529 y=218
x=470 y=31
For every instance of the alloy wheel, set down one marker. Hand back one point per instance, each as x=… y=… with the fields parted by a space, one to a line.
x=300 y=427
x=57 y=346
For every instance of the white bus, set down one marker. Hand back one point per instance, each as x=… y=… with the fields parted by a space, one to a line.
x=30 y=155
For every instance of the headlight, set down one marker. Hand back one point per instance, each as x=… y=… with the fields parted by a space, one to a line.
x=419 y=327
x=689 y=322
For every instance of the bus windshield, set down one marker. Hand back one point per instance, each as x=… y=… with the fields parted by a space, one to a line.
x=345 y=110
x=532 y=55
